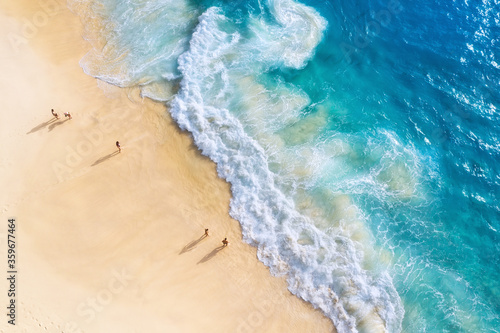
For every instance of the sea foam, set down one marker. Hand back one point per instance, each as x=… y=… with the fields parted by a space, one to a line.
x=248 y=126
x=326 y=269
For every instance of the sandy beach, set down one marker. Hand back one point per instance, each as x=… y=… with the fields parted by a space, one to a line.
x=108 y=241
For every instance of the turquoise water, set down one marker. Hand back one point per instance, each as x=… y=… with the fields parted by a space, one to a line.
x=361 y=141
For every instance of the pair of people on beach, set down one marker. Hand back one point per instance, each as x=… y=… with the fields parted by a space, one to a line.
x=66 y=114
x=224 y=241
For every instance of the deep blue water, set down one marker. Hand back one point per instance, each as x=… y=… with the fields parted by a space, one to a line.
x=361 y=140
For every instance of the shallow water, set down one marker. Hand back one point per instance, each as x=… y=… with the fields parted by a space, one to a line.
x=361 y=141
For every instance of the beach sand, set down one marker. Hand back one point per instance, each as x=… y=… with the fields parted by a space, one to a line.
x=107 y=241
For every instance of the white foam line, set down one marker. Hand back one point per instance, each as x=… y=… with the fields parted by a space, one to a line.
x=337 y=285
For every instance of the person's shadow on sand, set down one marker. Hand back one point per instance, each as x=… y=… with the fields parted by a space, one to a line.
x=42 y=125
x=211 y=254
x=52 y=126
x=192 y=245
x=104 y=158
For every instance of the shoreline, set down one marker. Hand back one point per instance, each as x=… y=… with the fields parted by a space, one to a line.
x=111 y=242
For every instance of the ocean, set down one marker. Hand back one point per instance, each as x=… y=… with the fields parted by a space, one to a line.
x=361 y=140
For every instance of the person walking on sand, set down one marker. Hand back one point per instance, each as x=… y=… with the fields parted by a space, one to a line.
x=54 y=114
x=206 y=233
x=118 y=146
x=225 y=242
x=67 y=114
